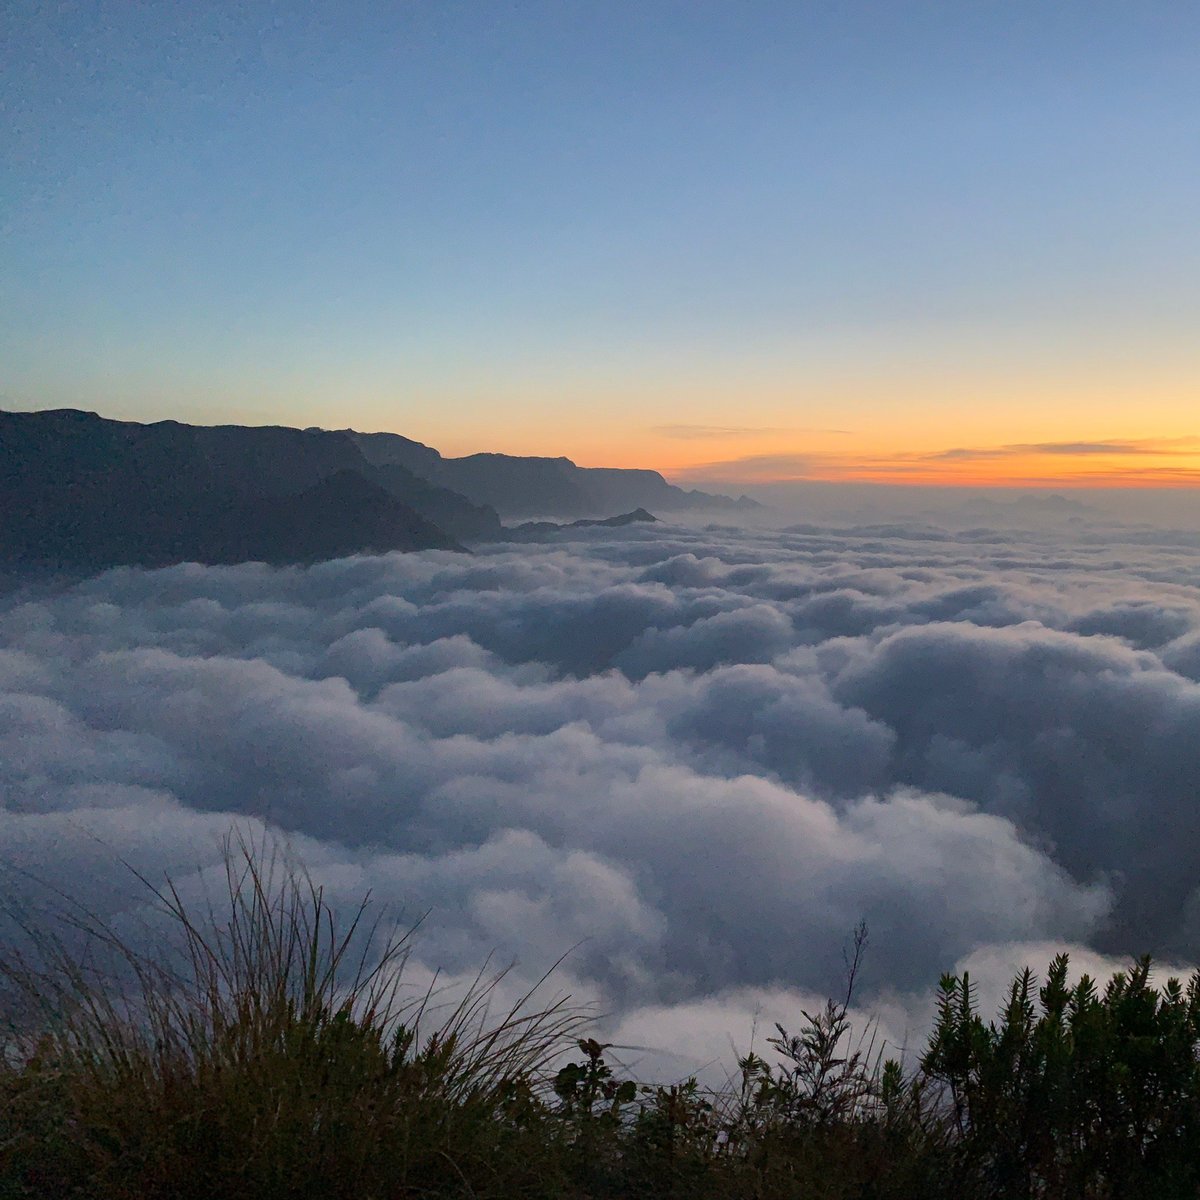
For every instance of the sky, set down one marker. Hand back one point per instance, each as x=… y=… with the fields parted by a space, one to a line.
x=744 y=242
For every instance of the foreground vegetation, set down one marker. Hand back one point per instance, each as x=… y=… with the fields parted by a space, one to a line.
x=266 y=1051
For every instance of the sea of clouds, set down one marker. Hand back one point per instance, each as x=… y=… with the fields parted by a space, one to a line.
x=693 y=758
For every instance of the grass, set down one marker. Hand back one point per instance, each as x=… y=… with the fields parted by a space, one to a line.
x=266 y=1049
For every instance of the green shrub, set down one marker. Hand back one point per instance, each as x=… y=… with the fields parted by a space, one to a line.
x=1073 y=1092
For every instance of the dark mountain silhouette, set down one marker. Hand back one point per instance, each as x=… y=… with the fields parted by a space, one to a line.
x=637 y=517
x=533 y=529
x=345 y=513
x=527 y=486
x=447 y=509
x=78 y=490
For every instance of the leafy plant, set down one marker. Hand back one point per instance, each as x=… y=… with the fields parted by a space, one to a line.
x=1073 y=1092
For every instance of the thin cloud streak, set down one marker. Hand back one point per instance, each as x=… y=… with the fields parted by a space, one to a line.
x=1023 y=464
x=1180 y=447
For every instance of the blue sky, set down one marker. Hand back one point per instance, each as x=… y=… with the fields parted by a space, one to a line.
x=481 y=224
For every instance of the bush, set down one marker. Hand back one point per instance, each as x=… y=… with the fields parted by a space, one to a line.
x=266 y=1051
x=1080 y=1093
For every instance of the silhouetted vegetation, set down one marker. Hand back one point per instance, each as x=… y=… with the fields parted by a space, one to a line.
x=1073 y=1091
x=264 y=1049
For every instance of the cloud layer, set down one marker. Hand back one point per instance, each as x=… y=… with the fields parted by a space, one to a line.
x=697 y=756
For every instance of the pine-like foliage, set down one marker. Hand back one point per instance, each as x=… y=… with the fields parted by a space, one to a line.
x=1073 y=1091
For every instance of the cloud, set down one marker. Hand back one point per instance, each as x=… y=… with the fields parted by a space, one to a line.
x=699 y=756
x=1007 y=464
x=1151 y=447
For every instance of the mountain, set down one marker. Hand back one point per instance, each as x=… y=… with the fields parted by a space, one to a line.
x=345 y=513
x=639 y=516
x=77 y=490
x=613 y=487
x=447 y=509
x=519 y=486
x=533 y=530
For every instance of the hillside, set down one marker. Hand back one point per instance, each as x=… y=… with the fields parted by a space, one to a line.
x=77 y=490
x=526 y=486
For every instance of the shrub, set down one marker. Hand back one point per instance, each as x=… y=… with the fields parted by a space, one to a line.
x=1073 y=1092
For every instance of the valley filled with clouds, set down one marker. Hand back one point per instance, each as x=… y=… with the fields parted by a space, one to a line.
x=690 y=759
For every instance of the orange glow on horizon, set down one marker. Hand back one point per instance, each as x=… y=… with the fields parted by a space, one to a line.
x=1115 y=478
x=1059 y=444
x=1111 y=463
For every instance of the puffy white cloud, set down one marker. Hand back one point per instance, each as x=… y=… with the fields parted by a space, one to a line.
x=697 y=756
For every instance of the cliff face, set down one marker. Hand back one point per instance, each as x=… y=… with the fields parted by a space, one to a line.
x=520 y=486
x=342 y=514
x=77 y=490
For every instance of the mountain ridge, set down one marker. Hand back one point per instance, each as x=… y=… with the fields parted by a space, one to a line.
x=540 y=486
x=78 y=489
